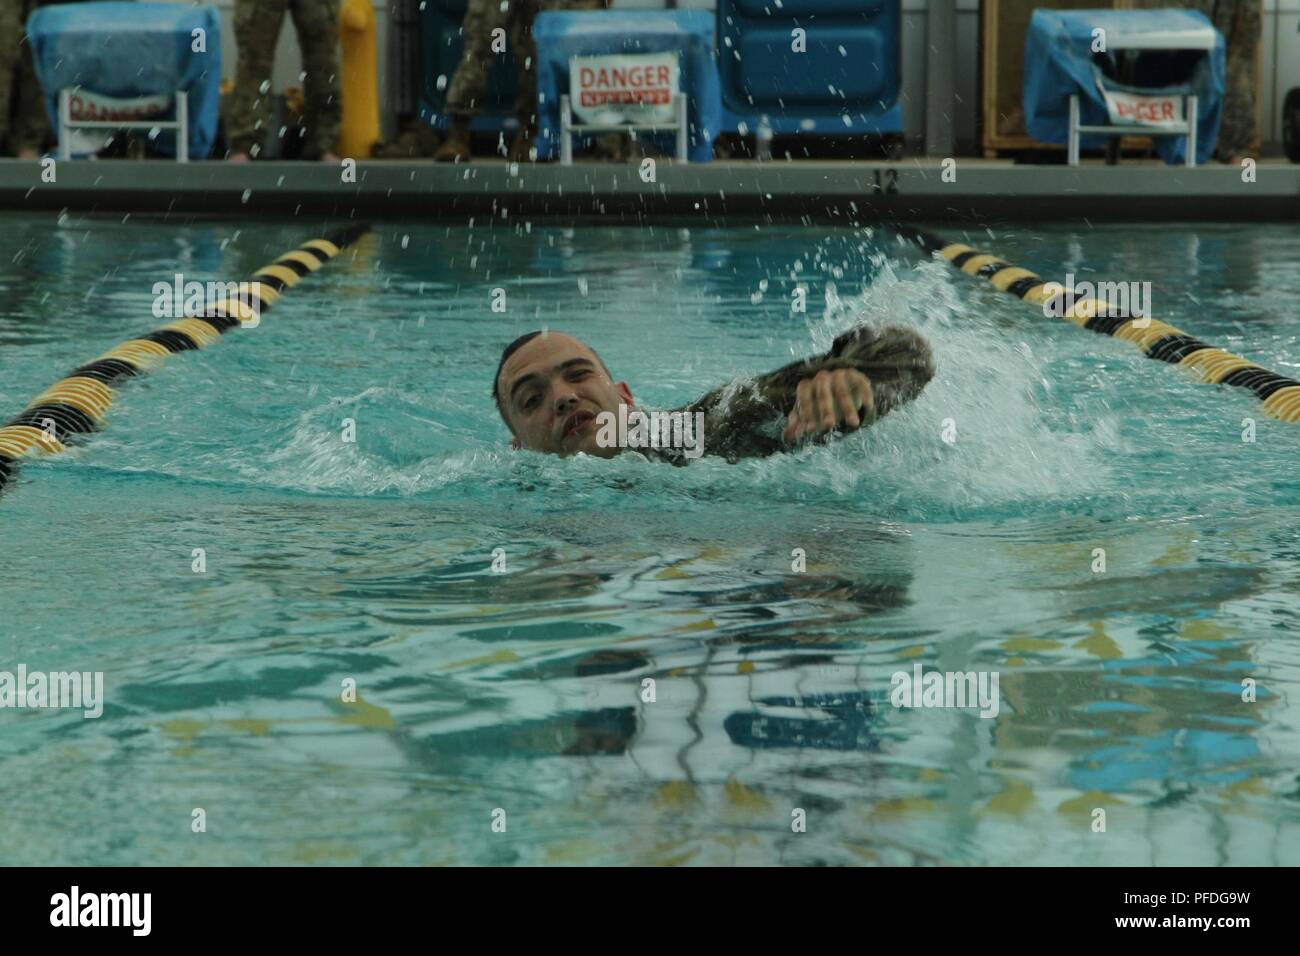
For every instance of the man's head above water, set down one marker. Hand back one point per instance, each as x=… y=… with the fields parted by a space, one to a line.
x=557 y=397
x=550 y=387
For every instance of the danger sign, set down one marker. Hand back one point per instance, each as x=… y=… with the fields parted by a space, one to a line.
x=87 y=106
x=624 y=89
x=83 y=105
x=1131 y=109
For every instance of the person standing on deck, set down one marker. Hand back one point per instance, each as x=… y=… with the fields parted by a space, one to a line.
x=468 y=86
x=23 y=123
x=257 y=26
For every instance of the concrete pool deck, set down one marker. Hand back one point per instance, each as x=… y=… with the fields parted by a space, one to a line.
x=910 y=189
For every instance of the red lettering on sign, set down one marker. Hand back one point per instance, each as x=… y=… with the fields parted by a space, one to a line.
x=632 y=84
x=90 y=111
x=1145 y=111
x=606 y=97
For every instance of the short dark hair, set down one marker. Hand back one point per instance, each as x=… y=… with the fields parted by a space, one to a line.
x=510 y=350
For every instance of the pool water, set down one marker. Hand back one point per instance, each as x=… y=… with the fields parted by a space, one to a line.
x=505 y=716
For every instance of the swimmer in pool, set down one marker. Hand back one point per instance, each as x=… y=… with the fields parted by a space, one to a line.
x=557 y=397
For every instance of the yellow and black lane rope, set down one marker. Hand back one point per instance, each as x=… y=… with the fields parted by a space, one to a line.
x=75 y=406
x=1158 y=340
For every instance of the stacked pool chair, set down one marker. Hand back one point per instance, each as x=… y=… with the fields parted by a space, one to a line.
x=562 y=35
x=844 y=82
x=131 y=58
x=1148 y=54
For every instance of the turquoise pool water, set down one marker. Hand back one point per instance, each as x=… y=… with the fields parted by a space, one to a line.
x=523 y=691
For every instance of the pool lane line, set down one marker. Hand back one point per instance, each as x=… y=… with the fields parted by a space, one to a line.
x=1279 y=394
x=75 y=405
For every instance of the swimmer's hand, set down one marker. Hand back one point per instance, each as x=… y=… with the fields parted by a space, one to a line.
x=840 y=398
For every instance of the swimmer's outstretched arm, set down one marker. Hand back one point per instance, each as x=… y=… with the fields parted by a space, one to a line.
x=748 y=418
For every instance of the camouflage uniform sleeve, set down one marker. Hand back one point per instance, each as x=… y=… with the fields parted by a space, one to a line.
x=745 y=418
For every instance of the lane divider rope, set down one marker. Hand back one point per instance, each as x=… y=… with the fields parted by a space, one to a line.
x=1158 y=340
x=75 y=405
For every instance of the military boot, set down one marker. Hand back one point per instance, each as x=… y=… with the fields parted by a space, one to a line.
x=455 y=148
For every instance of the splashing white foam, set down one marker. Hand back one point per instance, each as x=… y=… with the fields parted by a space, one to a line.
x=990 y=394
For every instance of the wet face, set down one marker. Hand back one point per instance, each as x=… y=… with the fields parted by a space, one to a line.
x=551 y=390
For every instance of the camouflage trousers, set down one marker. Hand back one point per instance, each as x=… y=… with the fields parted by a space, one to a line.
x=257 y=25
x=23 y=123
x=1240 y=23
x=514 y=18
